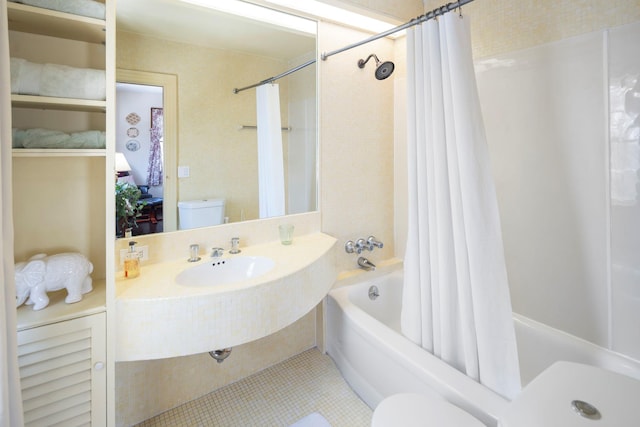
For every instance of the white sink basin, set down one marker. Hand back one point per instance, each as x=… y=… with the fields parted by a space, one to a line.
x=224 y=271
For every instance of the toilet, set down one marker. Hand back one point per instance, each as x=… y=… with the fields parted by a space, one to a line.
x=566 y=394
x=200 y=213
x=420 y=410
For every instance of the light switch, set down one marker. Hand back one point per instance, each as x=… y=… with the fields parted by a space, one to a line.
x=183 y=172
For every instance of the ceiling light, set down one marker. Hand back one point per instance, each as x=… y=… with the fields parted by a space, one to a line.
x=259 y=13
x=336 y=14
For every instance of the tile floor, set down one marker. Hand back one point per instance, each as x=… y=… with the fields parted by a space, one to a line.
x=278 y=396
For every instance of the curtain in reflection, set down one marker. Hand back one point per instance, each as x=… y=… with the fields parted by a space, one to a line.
x=270 y=157
x=154 y=171
x=456 y=301
x=10 y=394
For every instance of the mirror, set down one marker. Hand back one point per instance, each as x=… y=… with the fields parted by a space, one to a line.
x=216 y=148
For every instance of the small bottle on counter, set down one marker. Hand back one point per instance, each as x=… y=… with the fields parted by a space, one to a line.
x=132 y=262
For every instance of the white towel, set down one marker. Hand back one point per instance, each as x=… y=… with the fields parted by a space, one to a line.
x=28 y=78
x=70 y=82
x=312 y=420
x=270 y=159
x=47 y=138
x=25 y=77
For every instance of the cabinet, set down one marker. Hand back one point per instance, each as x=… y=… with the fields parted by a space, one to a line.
x=62 y=202
x=63 y=372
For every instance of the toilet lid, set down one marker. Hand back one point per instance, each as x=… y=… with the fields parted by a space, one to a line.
x=575 y=395
x=420 y=410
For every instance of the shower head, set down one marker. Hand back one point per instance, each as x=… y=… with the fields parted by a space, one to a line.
x=383 y=69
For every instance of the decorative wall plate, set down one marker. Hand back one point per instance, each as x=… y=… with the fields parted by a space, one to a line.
x=133 y=118
x=133 y=145
x=133 y=132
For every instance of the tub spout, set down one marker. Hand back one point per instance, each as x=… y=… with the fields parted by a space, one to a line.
x=366 y=264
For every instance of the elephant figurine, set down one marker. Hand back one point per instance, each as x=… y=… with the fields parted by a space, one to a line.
x=42 y=273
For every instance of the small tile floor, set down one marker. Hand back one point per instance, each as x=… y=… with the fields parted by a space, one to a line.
x=277 y=396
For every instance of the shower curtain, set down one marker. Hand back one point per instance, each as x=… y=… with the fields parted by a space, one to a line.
x=456 y=301
x=154 y=171
x=10 y=394
x=270 y=158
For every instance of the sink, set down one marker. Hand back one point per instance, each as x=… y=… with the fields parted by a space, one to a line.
x=225 y=270
x=179 y=309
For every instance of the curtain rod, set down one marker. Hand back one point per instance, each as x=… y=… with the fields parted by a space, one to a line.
x=274 y=78
x=415 y=21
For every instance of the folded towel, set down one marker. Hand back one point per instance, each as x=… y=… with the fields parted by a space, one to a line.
x=70 y=82
x=90 y=8
x=47 y=138
x=28 y=78
x=25 y=77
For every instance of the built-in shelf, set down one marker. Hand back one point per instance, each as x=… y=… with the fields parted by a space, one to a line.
x=47 y=22
x=59 y=152
x=58 y=310
x=53 y=103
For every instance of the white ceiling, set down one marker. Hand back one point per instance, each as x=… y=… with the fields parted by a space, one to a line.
x=183 y=22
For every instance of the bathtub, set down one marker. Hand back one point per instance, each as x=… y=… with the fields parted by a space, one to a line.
x=363 y=338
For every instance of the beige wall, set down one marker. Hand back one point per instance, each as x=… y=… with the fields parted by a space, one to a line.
x=222 y=159
x=356 y=143
x=500 y=26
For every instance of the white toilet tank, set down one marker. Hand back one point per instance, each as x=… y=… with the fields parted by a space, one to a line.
x=200 y=213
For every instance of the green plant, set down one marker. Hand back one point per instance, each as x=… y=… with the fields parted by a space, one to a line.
x=127 y=206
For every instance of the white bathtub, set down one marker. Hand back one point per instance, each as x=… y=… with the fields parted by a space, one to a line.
x=363 y=338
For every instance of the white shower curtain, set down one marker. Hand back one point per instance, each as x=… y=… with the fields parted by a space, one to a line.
x=270 y=158
x=456 y=301
x=10 y=395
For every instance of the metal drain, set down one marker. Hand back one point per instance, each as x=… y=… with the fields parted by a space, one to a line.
x=586 y=410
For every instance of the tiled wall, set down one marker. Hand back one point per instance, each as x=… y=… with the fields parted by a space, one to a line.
x=357 y=131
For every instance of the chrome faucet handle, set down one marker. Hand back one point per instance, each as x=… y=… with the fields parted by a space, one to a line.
x=373 y=242
x=349 y=247
x=217 y=252
x=235 y=242
x=362 y=245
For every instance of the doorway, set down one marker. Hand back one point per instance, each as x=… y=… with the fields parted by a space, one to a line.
x=155 y=103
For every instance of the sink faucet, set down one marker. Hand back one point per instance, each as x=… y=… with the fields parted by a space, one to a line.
x=366 y=264
x=216 y=252
x=235 y=242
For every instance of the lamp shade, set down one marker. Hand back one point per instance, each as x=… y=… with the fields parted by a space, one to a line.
x=121 y=163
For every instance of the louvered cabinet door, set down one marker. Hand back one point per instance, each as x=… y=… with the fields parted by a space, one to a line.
x=62 y=373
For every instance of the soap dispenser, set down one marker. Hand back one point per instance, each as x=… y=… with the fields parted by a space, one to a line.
x=132 y=262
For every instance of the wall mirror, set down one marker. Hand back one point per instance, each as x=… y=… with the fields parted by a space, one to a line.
x=215 y=153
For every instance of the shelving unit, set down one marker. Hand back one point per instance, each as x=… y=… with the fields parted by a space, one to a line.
x=44 y=152
x=61 y=198
x=52 y=103
x=34 y=20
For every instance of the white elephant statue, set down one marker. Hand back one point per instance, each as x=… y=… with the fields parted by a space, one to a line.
x=42 y=273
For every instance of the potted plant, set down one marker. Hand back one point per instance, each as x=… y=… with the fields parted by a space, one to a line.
x=127 y=206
